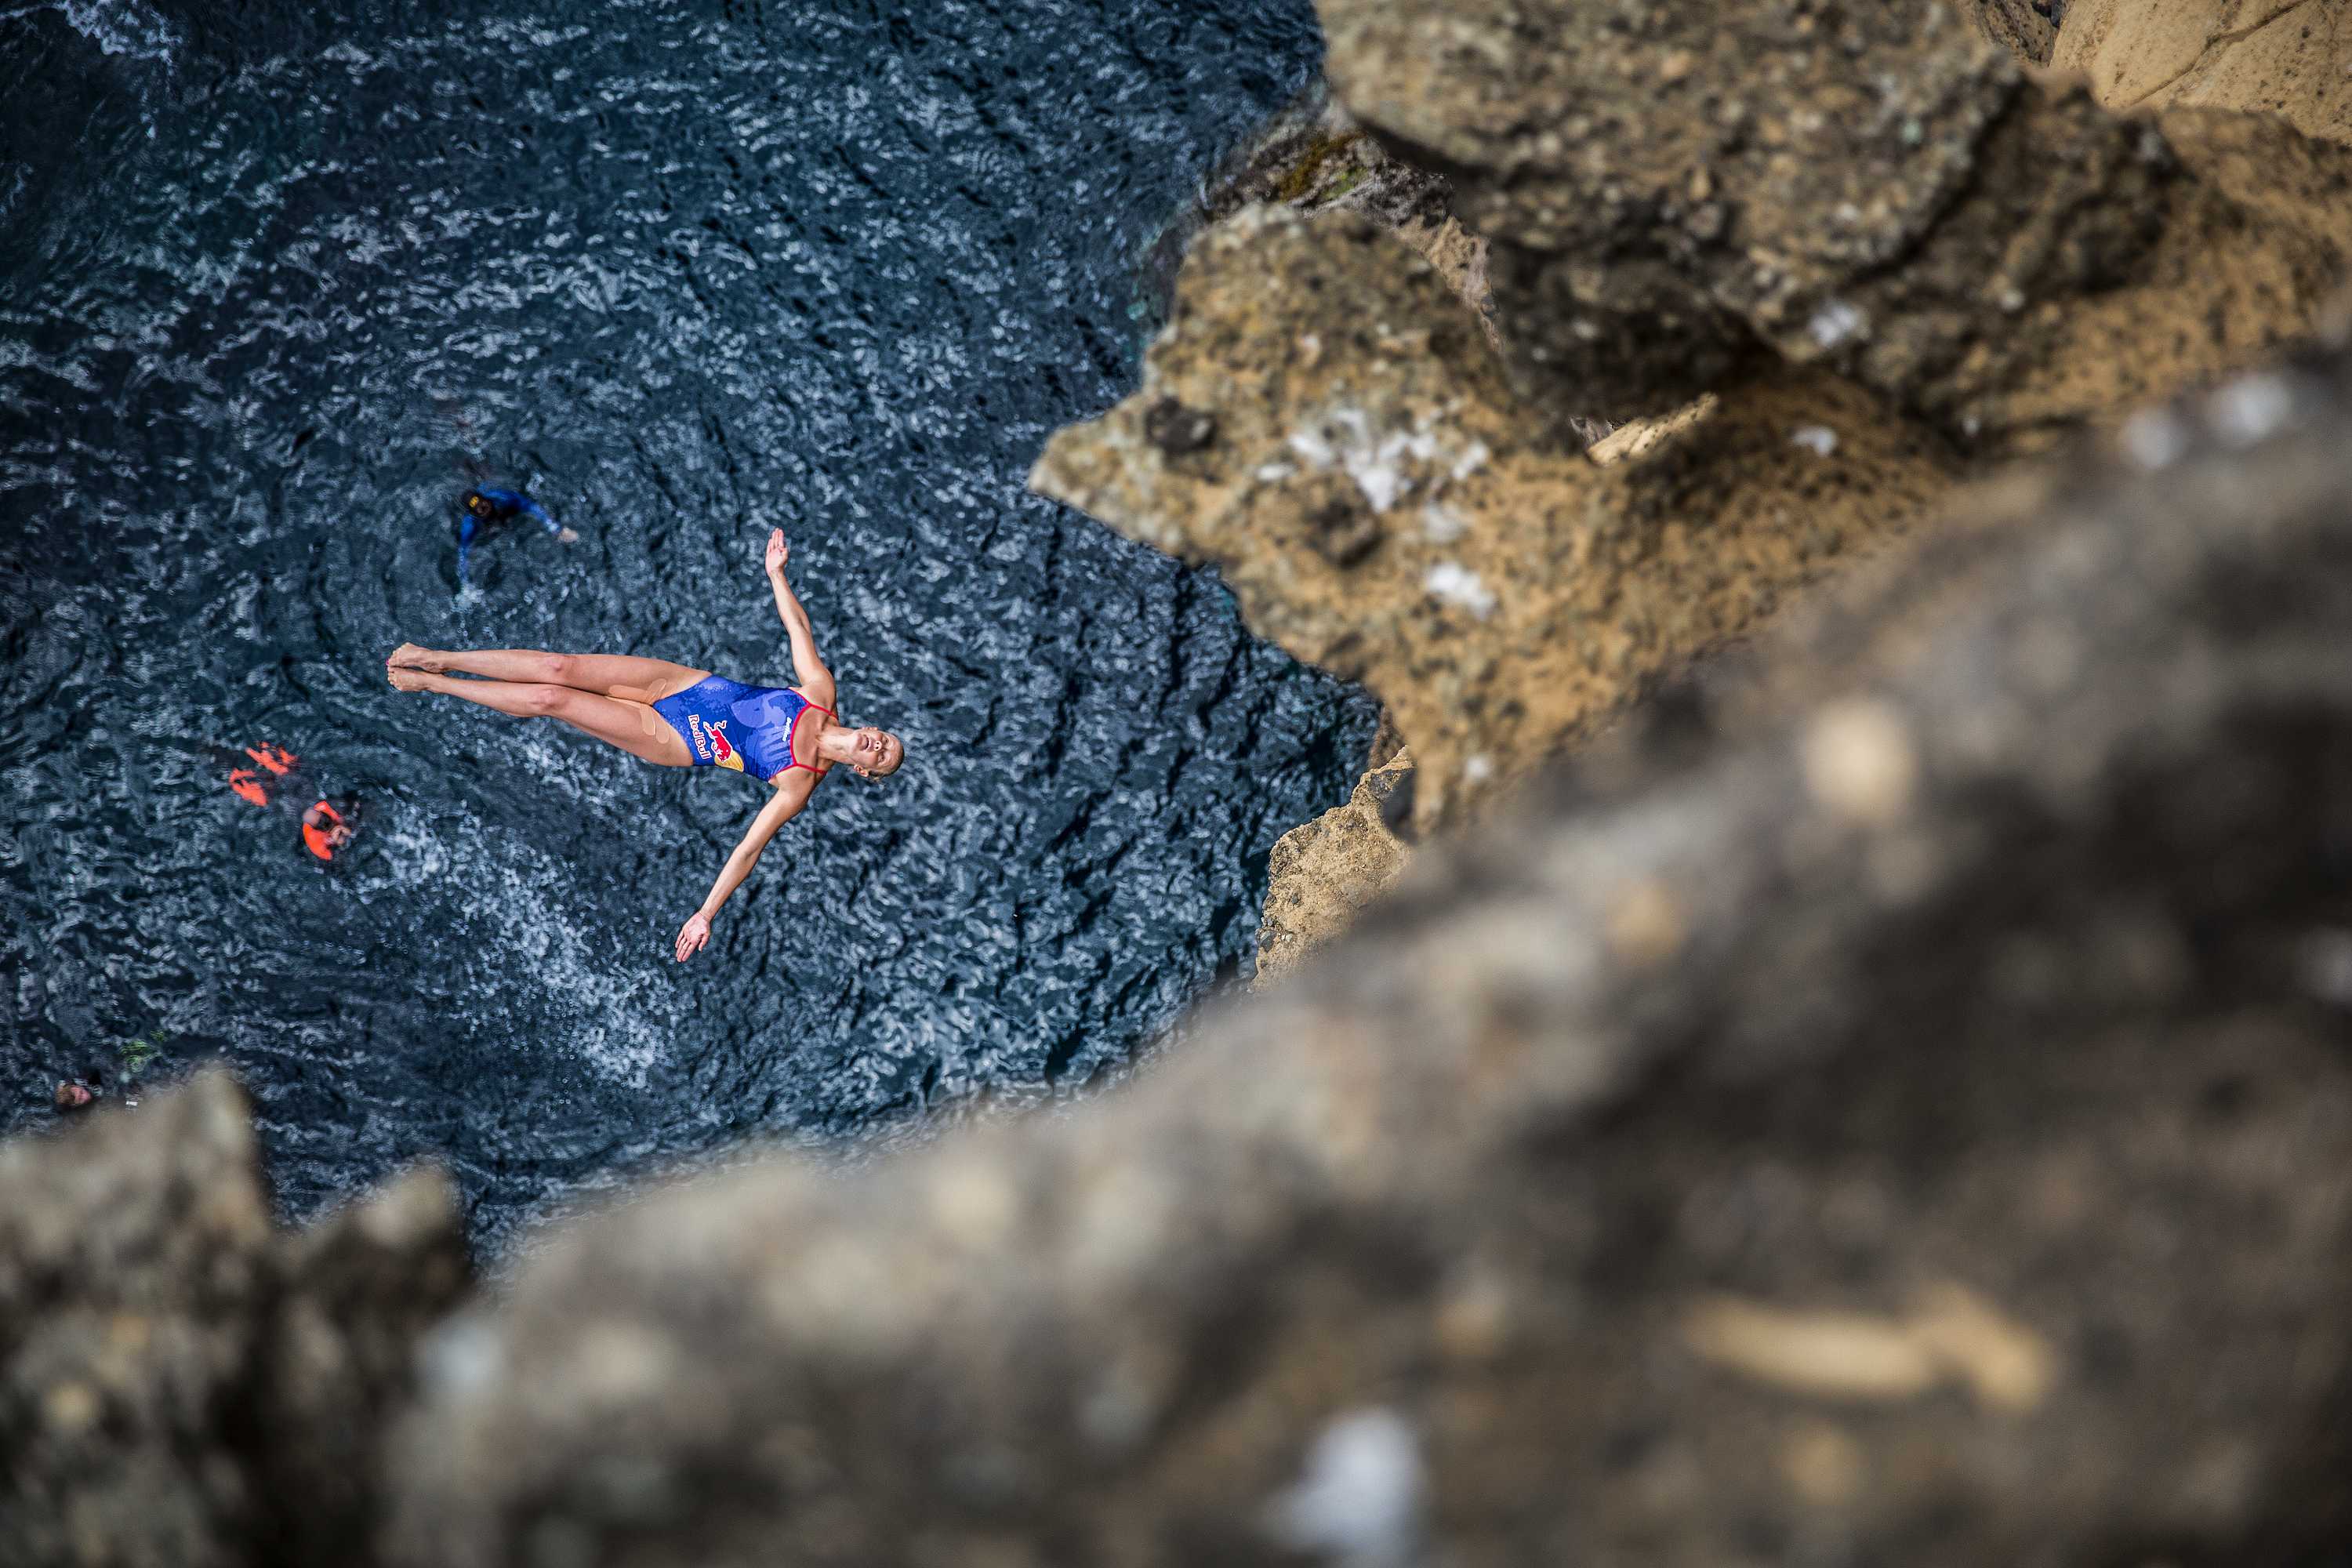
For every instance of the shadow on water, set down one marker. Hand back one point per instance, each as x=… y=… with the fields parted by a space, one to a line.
x=276 y=283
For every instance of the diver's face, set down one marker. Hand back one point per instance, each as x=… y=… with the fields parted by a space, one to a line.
x=71 y=1096
x=878 y=755
x=479 y=505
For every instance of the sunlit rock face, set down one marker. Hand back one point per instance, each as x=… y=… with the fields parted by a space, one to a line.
x=2288 y=57
x=1325 y=421
x=1323 y=873
x=1851 y=260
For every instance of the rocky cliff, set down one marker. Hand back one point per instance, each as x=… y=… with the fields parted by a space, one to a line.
x=181 y=1385
x=1871 y=1091
x=1880 y=252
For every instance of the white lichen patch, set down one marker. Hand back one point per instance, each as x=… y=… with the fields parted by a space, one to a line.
x=1456 y=585
x=1386 y=465
x=1818 y=439
x=1440 y=524
x=1478 y=768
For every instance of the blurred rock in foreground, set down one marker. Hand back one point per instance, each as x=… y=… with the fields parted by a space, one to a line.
x=184 y=1386
x=1895 y=1113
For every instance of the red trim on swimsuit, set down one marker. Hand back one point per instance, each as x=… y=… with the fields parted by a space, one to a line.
x=793 y=734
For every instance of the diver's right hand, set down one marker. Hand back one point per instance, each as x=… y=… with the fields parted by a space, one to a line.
x=778 y=552
x=692 y=935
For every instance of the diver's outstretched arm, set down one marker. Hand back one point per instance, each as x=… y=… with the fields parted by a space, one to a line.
x=774 y=815
x=537 y=514
x=815 y=679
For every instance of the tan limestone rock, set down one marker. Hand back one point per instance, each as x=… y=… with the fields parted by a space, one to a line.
x=1324 y=420
x=2253 y=248
x=1322 y=873
x=2017 y=25
x=2291 y=57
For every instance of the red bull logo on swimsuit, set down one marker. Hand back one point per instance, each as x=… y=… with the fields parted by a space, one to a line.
x=710 y=743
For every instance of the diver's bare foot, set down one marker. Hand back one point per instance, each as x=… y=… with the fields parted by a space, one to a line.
x=406 y=679
x=410 y=656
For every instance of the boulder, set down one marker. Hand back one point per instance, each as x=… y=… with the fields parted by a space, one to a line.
x=181 y=1383
x=1323 y=873
x=135 y=1270
x=1677 y=191
x=358 y=1290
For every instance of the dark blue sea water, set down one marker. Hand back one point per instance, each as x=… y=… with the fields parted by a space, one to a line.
x=278 y=279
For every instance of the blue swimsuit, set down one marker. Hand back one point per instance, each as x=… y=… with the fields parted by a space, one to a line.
x=726 y=724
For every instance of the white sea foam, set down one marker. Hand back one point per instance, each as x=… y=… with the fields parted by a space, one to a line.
x=618 y=1015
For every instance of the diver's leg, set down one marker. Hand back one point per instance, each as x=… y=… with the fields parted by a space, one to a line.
x=608 y=674
x=631 y=726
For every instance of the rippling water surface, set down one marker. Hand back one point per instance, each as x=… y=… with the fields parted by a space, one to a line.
x=278 y=281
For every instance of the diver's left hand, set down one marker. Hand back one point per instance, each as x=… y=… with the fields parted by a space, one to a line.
x=778 y=552
x=692 y=935
x=567 y=536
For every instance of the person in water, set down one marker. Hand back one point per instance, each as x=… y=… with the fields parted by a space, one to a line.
x=788 y=736
x=483 y=510
x=82 y=1096
x=326 y=827
x=324 y=831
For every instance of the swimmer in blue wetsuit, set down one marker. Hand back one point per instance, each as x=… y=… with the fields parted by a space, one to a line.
x=681 y=716
x=484 y=509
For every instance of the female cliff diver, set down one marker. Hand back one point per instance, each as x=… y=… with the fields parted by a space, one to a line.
x=680 y=718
